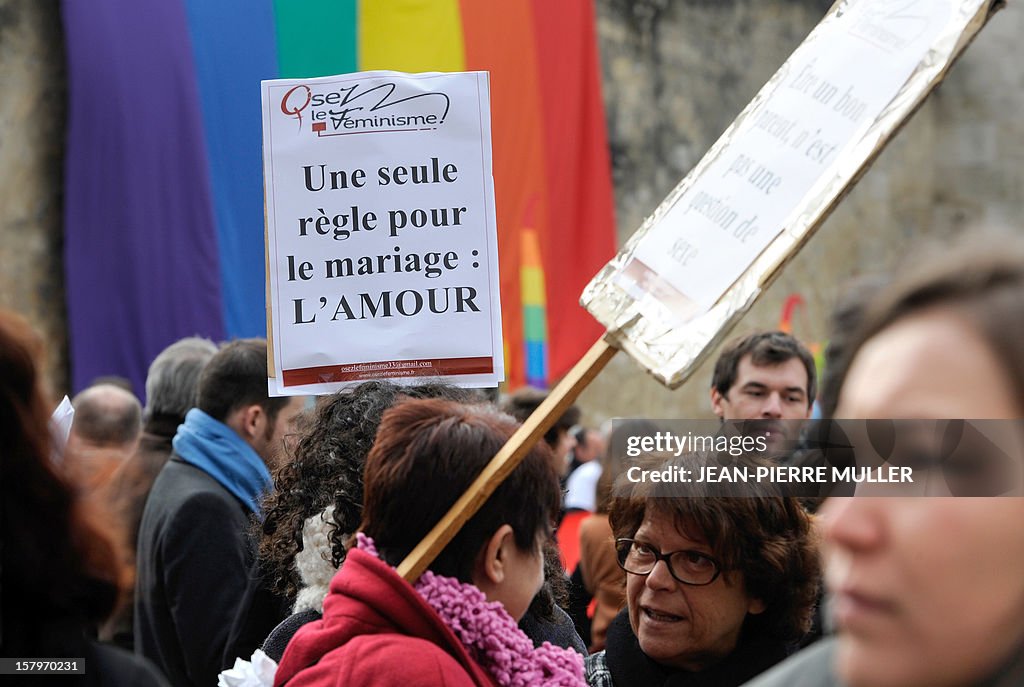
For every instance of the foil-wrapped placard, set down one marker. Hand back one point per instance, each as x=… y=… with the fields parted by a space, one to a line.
x=698 y=263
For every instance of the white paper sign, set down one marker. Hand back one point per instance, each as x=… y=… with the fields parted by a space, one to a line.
x=825 y=102
x=381 y=237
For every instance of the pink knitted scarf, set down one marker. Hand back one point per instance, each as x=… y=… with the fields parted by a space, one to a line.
x=491 y=635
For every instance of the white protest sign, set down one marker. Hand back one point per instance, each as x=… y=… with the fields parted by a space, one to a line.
x=381 y=238
x=706 y=252
x=825 y=102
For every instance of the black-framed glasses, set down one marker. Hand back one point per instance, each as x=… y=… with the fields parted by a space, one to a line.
x=687 y=566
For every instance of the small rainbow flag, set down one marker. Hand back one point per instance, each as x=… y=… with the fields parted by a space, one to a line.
x=535 y=331
x=163 y=201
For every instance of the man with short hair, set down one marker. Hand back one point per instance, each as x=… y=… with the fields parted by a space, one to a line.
x=172 y=389
x=767 y=376
x=104 y=431
x=193 y=555
x=522 y=403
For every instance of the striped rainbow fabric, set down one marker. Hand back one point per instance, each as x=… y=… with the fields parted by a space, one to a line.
x=535 y=334
x=163 y=186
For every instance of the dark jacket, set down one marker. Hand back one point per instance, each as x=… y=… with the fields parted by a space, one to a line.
x=128 y=489
x=277 y=641
x=377 y=631
x=66 y=639
x=624 y=664
x=131 y=483
x=258 y=614
x=193 y=563
x=110 y=666
x=559 y=630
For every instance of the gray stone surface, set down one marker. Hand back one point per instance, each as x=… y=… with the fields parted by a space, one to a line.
x=32 y=110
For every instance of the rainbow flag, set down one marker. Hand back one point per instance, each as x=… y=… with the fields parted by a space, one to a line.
x=163 y=186
x=535 y=331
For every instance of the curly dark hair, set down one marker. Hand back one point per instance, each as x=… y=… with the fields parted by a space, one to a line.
x=326 y=468
x=768 y=538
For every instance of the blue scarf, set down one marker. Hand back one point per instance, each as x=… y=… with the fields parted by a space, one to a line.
x=214 y=448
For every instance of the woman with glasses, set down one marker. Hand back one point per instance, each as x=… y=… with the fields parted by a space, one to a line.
x=718 y=584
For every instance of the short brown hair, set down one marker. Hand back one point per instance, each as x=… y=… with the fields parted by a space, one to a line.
x=765 y=349
x=426 y=455
x=236 y=376
x=767 y=538
x=523 y=402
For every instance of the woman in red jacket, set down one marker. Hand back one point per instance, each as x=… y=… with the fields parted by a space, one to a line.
x=457 y=624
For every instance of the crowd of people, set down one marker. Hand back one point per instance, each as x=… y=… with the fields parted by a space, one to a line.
x=220 y=536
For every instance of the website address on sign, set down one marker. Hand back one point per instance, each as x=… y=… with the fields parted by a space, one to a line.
x=390 y=365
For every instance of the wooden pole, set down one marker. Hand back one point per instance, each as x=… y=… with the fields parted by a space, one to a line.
x=506 y=460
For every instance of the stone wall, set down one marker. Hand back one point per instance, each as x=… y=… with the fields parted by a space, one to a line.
x=32 y=109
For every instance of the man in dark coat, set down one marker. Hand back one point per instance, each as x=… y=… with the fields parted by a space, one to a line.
x=193 y=555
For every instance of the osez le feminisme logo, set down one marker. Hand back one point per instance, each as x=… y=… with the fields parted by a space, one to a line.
x=358 y=109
